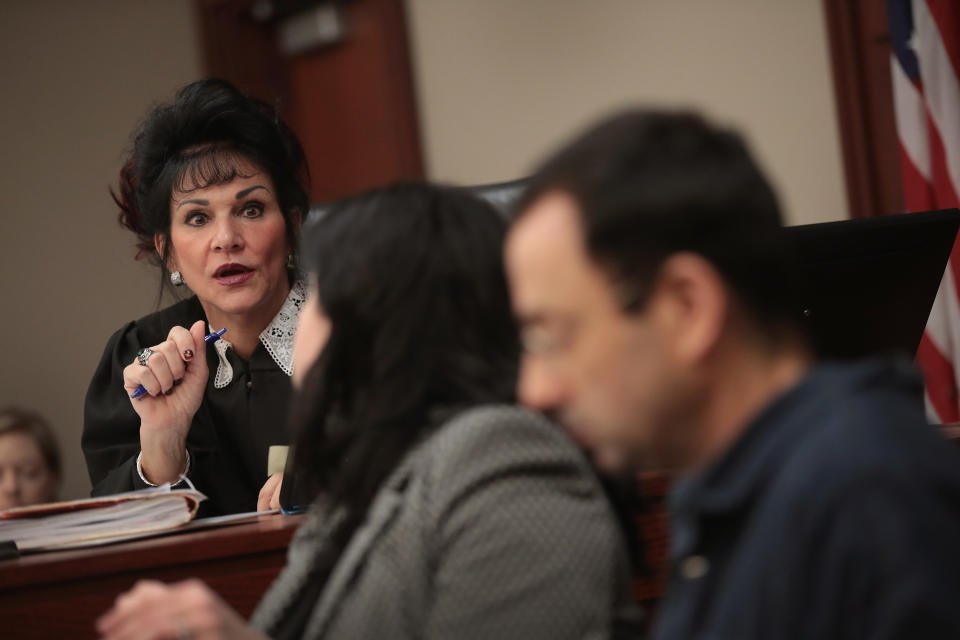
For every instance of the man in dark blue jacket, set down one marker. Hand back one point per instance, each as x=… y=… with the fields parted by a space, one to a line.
x=814 y=501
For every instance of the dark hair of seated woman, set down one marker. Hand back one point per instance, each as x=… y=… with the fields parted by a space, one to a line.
x=399 y=359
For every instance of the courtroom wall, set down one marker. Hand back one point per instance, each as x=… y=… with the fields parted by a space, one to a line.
x=77 y=78
x=500 y=82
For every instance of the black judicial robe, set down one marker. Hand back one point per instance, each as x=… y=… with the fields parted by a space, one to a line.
x=231 y=432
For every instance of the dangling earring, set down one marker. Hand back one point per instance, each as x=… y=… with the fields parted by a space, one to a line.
x=291 y=261
x=175 y=278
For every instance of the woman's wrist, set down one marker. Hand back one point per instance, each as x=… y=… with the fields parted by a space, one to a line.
x=145 y=480
x=163 y=457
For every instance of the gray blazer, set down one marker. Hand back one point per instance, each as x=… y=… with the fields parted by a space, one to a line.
x=493 y=528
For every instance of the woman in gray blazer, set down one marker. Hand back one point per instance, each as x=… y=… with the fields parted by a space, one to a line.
x=438 y=509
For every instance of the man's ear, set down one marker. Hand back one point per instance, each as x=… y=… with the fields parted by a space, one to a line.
x=692 y=303
x=159 y=242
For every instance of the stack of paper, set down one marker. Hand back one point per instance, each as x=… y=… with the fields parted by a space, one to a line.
x=92 y=521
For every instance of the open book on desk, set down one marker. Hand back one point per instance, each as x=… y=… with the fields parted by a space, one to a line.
x=93 y=521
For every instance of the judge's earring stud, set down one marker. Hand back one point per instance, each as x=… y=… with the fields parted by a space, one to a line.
x=175 y=278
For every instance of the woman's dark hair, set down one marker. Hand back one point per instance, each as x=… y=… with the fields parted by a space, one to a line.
x=411 y=279
x=200 y=140
x=32 y=424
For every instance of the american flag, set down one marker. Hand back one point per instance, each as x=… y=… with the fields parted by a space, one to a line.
x=925 y=65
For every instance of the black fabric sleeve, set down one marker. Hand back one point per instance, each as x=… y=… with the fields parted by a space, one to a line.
x=229 y=435
x=111 y=428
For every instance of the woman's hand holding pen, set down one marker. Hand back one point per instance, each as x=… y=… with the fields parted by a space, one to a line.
x=174 y=376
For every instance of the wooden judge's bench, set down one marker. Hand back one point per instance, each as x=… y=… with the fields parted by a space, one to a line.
x=61 y=594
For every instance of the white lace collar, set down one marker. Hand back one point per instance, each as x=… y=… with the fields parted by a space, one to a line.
x=277 y=338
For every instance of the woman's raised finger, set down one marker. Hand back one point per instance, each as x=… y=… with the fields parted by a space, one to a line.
x=186 y=347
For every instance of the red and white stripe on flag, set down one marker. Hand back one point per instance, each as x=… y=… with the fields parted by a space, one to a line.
x=925 y=66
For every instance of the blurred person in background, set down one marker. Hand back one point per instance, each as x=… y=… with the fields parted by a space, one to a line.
x=30 y=469
x=812 y=499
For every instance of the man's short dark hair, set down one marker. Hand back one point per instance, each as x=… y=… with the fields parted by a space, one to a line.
x=650 y=184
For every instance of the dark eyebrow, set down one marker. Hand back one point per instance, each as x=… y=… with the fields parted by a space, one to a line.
x=205 y=203
x=244 y=192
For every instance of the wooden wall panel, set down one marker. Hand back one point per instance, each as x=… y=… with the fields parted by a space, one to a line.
x=351 y=103
x=860 y=56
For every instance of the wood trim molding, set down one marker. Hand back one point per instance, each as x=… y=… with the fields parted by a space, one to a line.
x=860 y=54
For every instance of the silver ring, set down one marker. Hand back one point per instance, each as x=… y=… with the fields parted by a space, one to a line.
x=144 y=355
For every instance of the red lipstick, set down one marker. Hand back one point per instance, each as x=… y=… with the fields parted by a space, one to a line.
x=232 y=274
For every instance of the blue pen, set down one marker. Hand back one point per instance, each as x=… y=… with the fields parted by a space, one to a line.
x=210 y=338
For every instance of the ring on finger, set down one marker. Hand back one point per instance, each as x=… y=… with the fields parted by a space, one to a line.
x=183 y=630
x=143 y=356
